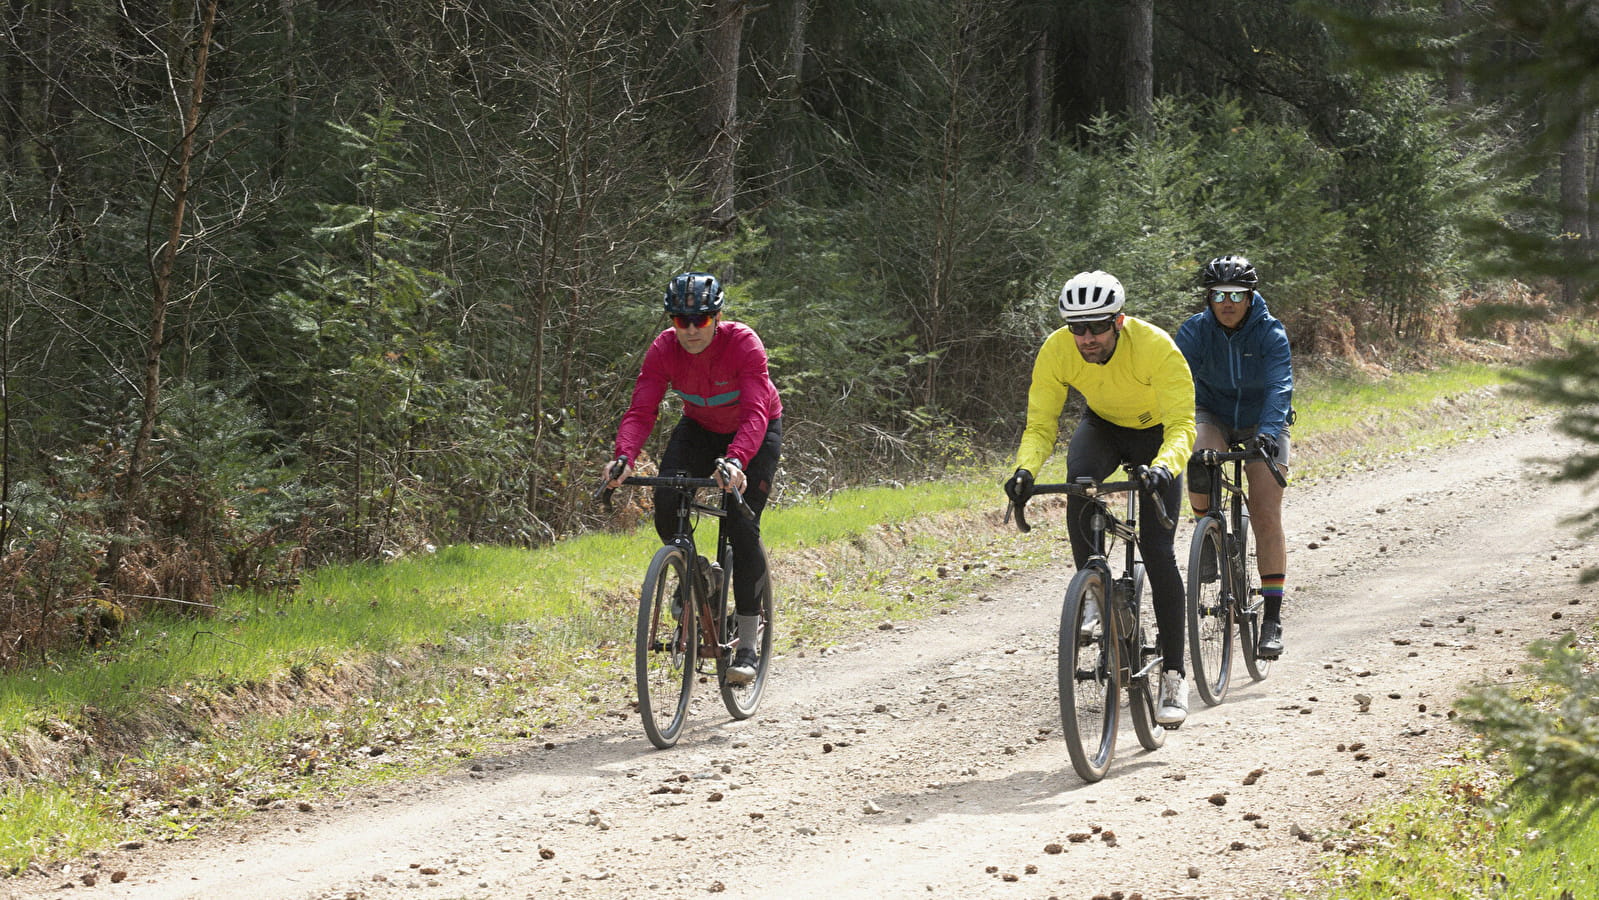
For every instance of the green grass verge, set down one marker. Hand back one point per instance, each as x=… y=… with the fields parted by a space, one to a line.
x=1351 y=421
x=376 y=672
x=1459 y=840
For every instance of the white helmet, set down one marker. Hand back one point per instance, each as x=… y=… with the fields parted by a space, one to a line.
x=1091 y=295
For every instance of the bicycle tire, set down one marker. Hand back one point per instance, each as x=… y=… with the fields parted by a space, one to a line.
x=1251 y=605
x=1089 y=676
x=1210 y=618
x=665 y=646
x=1143 y=691
x=742 y=700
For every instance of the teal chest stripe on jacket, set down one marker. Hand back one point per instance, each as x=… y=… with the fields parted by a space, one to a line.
x=723 y=399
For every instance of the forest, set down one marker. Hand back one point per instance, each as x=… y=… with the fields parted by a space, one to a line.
x=301 y=281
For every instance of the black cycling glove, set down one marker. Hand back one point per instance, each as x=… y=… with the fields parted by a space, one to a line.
x=1019 y=486
x=1268 y=443
x=1157 y=479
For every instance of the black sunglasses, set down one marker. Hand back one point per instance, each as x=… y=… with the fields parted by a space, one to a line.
x=1238 y=296
x=1100 y=327
x=693 y=321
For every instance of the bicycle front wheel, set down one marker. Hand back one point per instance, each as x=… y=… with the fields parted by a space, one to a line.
x=742 y=700
x=1210 y=616
x=1143 y=687
x=664 y=646
x=1088 y=673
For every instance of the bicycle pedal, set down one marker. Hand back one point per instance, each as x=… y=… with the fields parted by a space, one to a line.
x=1171 y=727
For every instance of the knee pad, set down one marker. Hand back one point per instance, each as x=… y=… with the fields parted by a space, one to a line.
x=1198 y=476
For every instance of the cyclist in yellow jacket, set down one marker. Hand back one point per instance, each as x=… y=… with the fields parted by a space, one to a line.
x=1140 y=399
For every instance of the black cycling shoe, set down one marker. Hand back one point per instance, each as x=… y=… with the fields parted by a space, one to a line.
x=1271 y=640
x=742 y=671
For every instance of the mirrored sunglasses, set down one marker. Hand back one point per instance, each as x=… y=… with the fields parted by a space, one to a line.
x=1100 y=327
x=1238 y=296
x=692 y=321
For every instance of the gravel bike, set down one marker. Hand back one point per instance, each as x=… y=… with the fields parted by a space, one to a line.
x=1223 y=588
x=1105 y=647
x=685 y=616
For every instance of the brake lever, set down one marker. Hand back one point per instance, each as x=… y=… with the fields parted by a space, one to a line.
x=722 y=467
x=603 y=493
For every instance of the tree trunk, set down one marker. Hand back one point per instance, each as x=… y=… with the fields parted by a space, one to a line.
x=793 y=72
x=1455 y=76
x=723 y=45
x=11 y=81
x=1141 y=63
x=163 y=264
x=288 y=98
x=1037 y=108
x=1574 y=201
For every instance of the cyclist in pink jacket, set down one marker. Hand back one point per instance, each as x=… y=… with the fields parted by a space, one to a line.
x=730 y=410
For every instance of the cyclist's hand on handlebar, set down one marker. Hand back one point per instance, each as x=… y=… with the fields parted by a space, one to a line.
x=1156 y=479
x=1019 y=486
x=730 y=475
x=616 y=470
x=1268 y=445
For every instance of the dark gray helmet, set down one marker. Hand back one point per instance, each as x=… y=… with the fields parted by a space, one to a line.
x=694 y=294
x=1229 y=270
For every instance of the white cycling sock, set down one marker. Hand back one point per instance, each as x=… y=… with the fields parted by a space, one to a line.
x=748 y=632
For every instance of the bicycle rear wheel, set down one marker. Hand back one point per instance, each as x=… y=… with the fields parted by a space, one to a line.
x=1088 y=675
x=1251 y=606
x=742 y=700
x=1143 y=690
x=664 y=646
x=1210 y=647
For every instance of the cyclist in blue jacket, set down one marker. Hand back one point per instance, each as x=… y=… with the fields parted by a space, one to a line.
x=1243 y=388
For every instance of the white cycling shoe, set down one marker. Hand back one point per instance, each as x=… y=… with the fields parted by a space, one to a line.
x=1172 y=709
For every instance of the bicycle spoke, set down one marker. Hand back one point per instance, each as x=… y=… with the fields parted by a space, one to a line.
x=1209 y=612
x=664 y=648
x=742 y=700
x=1088 y=675
x=1143 y=689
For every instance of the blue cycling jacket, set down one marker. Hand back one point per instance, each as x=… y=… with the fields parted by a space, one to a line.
x=1244 y=377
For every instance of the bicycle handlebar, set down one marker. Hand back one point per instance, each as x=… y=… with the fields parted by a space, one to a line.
x=1249 y=453
x=681 y=482
x=1087 y=488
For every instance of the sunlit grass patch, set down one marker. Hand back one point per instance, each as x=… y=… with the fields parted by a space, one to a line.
x=1351 y=420
x=47 y=820
x=848 y=513
x=1456 y=842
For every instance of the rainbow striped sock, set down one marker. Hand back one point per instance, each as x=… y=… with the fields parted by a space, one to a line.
x=1271 y=589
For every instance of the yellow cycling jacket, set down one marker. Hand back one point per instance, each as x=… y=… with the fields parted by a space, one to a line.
x=1145 y=383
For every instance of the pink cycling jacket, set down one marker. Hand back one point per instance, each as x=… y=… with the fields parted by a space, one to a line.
x=724 y=388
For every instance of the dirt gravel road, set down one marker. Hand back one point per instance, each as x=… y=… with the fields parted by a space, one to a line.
x=926 y=760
